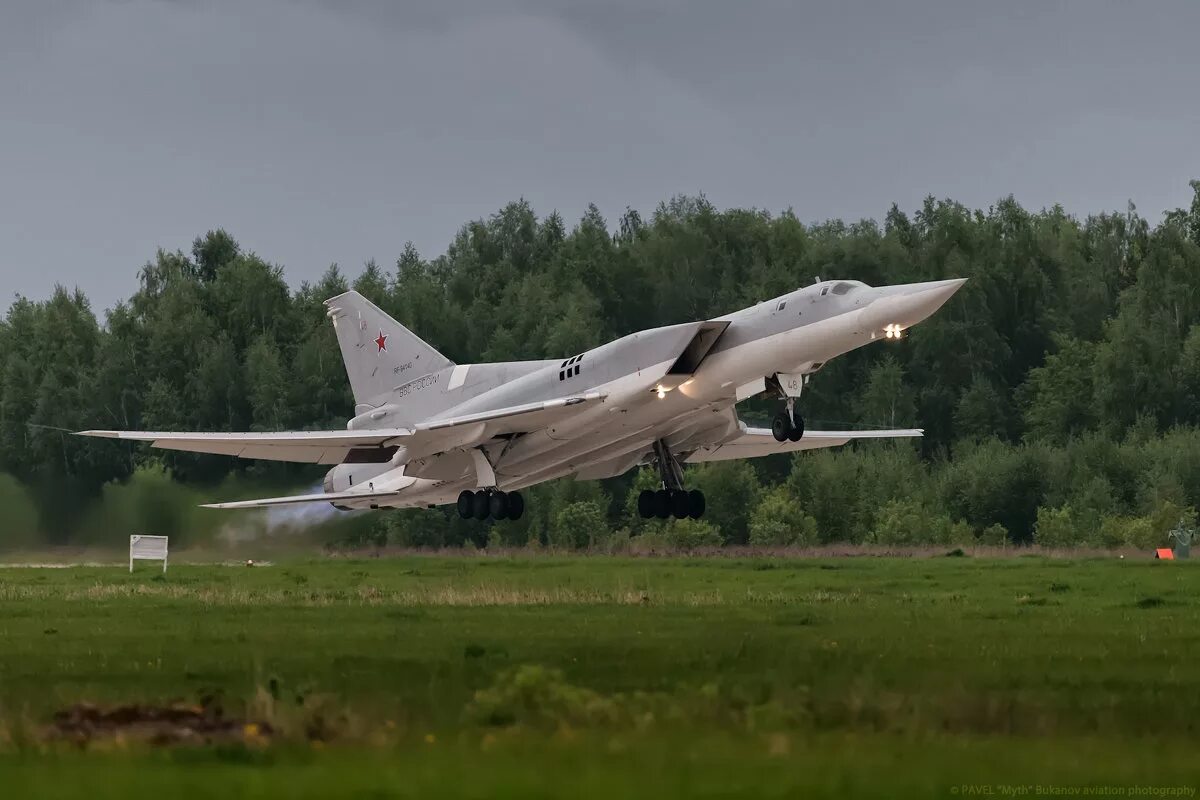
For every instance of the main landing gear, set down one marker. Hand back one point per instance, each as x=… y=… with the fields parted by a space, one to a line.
x=490 y=503
x=664 y=503
x=672 y=500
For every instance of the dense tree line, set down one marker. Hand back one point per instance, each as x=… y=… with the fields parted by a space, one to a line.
x=1059 y=390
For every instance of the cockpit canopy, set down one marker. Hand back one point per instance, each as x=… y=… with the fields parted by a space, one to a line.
x=842 y=287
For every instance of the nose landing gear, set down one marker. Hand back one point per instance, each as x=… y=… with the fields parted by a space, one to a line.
x=788 y=426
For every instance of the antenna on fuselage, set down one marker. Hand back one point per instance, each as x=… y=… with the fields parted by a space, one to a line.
x=816 y=280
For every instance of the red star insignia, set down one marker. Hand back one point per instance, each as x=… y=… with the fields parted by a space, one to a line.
x=381 y=342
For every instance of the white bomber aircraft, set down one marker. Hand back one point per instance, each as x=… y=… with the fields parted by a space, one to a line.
x=427 y=431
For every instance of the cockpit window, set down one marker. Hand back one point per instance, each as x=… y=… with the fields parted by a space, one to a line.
x=842 y=287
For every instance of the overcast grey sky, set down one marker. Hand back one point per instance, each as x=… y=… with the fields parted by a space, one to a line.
x=320 y=131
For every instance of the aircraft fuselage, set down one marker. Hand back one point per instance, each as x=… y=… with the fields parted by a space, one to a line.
x=650 y=392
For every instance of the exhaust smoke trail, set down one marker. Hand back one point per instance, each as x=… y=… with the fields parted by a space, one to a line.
x=281 y=520
x=300 y=516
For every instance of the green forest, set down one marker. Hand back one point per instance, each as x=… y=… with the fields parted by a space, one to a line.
x=1059 y=389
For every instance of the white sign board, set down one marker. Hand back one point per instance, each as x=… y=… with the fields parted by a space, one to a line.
x=149 y=548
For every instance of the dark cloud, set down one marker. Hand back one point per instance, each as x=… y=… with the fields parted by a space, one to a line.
x=320 y=131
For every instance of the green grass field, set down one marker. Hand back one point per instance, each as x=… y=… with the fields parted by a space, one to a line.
x=605 y=677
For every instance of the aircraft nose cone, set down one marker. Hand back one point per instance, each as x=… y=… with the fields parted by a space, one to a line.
x=941 y=291
x=909 y=303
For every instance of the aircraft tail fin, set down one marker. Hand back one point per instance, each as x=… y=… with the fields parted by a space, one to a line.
x=380 y=353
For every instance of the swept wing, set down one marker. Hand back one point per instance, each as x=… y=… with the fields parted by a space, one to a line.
x=755 y=442
x=321 y=497
x=335 y=447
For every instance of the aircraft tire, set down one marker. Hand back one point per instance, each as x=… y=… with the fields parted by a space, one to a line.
x=466 y=504
x=680 y=503
x=780 y=426
x=797 y=431
x=662 y=504
x=498 y=505
x=516 y=505
x=645 y=504
x=695 y=504
x=481 y=505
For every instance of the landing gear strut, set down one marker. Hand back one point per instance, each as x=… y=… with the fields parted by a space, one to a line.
x=490 y=503
x=672 y=500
